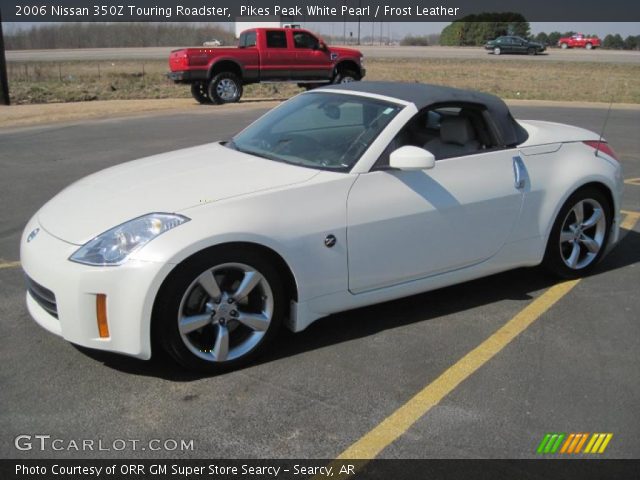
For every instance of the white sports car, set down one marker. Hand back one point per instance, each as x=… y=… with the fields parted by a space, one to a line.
x=341 y=197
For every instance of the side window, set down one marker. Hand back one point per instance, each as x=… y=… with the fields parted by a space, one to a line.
x=446 y=131
x=304 y=40
x=250 y=40
x=276 y=39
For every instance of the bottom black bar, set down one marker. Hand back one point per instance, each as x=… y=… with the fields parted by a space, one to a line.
x=321 y=469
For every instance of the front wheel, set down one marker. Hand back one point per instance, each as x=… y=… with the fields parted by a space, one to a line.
x=219 y=309
x=532 y=51
x=497 y=51
x=346 y=76
x=588 y=46
x=199 y=93
x=225 y=87
x=564 y=46
x=579 y=235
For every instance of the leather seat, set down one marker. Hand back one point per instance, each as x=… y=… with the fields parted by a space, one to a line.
x=457 y=138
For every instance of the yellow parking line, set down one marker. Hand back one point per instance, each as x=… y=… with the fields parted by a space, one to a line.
x=369 y=446
x=391 y=428
x=9 y=265
x=633 y=181
x=630 y=219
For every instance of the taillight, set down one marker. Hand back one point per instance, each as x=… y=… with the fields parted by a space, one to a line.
x=601 y=146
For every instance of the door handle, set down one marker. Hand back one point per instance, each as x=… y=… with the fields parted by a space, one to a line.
x=518 y=172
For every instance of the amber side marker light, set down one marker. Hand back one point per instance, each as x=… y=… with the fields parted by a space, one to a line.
x=101 y=313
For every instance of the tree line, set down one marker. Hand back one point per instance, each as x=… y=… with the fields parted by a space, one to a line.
x=114 y=35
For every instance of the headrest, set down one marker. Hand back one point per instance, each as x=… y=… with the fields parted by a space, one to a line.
x=457 y=130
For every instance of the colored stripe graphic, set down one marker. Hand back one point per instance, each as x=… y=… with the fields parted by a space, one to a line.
x=598 y=443
x=572 y=443
x=551 y=442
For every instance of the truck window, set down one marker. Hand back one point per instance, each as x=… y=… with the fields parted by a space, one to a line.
x=276 y=39
x=304 y=40
x=247 y=39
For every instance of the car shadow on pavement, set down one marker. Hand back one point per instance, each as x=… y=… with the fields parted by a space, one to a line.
x=520 y=284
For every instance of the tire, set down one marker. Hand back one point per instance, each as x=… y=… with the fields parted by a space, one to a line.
x=346 y=76
x=532 y=51
x=576 y=245
x=564 y=46
x=588 y=46
x=199 y=93
x=225 y=87
x=497 y=51
x=219 y=309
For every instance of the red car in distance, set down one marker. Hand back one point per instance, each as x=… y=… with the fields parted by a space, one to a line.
x=579 y=40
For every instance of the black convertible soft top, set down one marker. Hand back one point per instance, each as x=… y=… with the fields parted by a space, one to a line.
x=424 y=95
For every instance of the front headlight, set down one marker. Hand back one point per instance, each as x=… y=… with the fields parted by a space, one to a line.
x=114 y=246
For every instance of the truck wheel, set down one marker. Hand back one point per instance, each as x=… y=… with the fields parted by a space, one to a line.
x=199 y=92
x=346 y=76
x=564 y=46
x=225 y=87
x=588 y=46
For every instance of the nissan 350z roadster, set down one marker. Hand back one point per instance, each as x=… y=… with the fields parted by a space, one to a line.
x=341 y=197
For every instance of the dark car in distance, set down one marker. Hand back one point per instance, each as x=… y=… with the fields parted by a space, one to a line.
x=513 y=44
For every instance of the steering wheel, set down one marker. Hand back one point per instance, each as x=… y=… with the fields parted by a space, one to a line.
x=291 y=144
x=357 y=147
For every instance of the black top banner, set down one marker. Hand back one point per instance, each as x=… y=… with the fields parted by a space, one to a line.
x=313 y=10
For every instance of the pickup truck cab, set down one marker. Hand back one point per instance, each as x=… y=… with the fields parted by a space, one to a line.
x=579 y=41
x=217 y=75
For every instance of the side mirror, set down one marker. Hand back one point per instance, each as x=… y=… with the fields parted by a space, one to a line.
x=411 y=158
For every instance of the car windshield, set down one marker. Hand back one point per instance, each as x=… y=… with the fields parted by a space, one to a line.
x=319 y=130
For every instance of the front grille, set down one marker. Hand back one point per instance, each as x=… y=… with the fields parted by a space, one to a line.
x=43 y=297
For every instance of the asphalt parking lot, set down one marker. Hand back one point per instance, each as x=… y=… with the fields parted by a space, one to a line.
x=572 y=368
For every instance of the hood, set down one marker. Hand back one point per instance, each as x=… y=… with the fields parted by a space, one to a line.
x=170 y=182
x=346 y=52
x=542 y=133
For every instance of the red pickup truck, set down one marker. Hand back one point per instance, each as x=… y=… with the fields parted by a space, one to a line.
x=217 y=75
x=579 y=41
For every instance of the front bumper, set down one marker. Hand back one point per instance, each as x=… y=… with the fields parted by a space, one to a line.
x=130 y=289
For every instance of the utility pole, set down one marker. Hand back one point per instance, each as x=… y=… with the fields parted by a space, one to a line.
x=359 y=10
x=4 y=82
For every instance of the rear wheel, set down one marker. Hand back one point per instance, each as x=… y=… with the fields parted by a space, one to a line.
x=564 y=46
x=579 y=235
x=225 y=87
x=219 y=310
x=497 y=51
x=588 y=46
x=199 y=92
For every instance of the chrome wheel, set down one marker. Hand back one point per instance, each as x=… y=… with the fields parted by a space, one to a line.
x=497 y=51
x=226 y=89
x=582 y=234
x=347 y=79
x=225 y=312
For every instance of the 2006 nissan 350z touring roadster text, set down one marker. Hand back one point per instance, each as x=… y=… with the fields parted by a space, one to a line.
x=341 y=197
